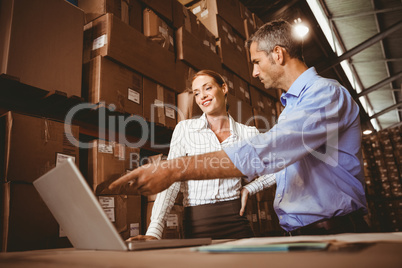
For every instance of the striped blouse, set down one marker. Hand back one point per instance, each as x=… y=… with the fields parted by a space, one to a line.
x=194 y=137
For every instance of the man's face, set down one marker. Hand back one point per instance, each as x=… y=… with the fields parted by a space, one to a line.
x=264 y=67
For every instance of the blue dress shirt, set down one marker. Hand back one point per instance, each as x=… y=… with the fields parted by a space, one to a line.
x=314 y=150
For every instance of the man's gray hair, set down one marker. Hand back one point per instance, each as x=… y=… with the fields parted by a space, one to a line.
x=277 y=33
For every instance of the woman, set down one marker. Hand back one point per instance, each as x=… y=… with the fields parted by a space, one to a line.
x=213 y=208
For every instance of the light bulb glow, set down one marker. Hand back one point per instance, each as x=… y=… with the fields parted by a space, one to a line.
x=301 y=30
x=367 y=132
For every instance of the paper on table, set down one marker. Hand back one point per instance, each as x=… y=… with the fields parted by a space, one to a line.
x=345 y=238
x=283 y=247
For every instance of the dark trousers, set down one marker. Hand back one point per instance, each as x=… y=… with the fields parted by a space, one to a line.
x=351 y=223
x=218 y=221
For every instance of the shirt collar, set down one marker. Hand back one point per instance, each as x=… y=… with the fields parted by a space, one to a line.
x=202 y=123
x=305 y=79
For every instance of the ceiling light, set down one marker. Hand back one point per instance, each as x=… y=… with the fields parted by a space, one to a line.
x=300 y=28
x=367 y=132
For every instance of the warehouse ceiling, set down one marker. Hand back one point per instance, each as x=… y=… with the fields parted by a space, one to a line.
x=370 y=44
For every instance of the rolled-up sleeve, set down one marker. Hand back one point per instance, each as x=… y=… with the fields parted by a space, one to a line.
x=315 y=120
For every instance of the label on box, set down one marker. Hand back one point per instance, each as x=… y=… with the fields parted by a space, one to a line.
x=242 y=90
x=206 y=42
x=105 y=148
x=119 y=151
x=106 y=201
x=134 y=229
x=172 y=221
x=163 y=31
x=134 y=96
x=230 y=37
x=169 y=112
x=99 y=42
x=254 y=217
x=239 y=48
x=60 y=158
x=263 y=215
x=225 y=28
x=212 y=47
x=110 y=214
x=204 y=13
x=158 y=103
x=197 y=10
x=247 y=95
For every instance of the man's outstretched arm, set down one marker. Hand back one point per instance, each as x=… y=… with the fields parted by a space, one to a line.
x=154 y=178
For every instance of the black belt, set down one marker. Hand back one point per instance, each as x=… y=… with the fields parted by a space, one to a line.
x=351 y=223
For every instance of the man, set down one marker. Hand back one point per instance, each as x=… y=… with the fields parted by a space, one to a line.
x=314 y=149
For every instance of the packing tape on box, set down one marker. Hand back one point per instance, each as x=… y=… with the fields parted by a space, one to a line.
x=160 y=97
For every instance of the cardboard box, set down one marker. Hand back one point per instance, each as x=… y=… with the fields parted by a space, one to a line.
x=25 y=221
x=257 y=98
x=109 y=36
x=264 y=108
x=113 y=84
x=187 y=107
x=229 y=10
x=185 y=2
x=232 y=50
x=194 y=52
x=207 y=38
x=129 y=11
x=183 y=17
x=158 y=30
x=229 y=79
x=124 y=211
x=41 y=44
x=257 y=21
x=241 y=111
x=252 y=214
x=248 y=20
x=267 y=194
x=262 y=121
x=184 y=76
x=159 y=104
x=268 y=220
x=31 y=146
x=163 y=8
x=241 y=89
x=108 y=161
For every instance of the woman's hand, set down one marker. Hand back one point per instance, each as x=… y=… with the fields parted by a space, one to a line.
x=244 y=197
x=142 y=237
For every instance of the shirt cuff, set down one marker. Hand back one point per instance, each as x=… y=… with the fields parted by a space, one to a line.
x=252 y=189
x=155 y=229
x=244 y=158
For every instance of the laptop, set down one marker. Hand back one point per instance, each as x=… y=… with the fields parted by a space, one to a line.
x=80 y=215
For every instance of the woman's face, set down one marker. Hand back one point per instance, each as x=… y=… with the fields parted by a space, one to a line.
x=209 y=96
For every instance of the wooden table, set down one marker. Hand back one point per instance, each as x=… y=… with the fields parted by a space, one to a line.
x=383 y=254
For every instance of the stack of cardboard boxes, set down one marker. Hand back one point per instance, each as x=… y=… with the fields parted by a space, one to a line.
x=137 y=56
x=382 y=157
x=30 y=146
x=108 y=161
